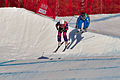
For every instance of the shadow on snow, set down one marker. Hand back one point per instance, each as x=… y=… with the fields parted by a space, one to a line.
x=74 y=37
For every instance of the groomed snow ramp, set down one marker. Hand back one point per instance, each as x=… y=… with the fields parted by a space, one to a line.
x=26 y=35
x=23 y=33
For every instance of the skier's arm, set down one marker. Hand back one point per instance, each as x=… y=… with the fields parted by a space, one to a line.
x=66 y=27
x=77 y=23
x=87 y=22
x=88 y=19
x=57 y=25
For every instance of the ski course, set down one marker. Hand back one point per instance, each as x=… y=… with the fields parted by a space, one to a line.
x=26 y=35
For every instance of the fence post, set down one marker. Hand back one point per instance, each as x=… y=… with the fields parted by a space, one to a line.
x=24 y=3
x=79 y=7
x=6 y=2
x=90 y=7
x=18 y=4
x=108 y=6
x=56 y=7
x=70 y=7
x=86 y=3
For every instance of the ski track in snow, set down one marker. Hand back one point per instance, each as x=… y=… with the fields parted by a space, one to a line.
x=64 y=69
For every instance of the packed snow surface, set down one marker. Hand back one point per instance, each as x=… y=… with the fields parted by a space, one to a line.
x=25 y=36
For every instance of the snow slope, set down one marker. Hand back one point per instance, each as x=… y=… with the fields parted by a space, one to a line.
x=26 y=35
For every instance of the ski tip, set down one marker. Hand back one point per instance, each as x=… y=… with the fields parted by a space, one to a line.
x=55 y=58
x=51 y=58
x=59 y=58
x=54 y=51
x=64 y=50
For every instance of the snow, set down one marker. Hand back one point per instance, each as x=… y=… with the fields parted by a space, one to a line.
x=25 y=36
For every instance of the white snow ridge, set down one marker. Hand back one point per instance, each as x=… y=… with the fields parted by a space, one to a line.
x=23 y=34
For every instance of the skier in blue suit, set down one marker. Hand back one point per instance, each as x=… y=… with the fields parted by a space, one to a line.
x=83 y=18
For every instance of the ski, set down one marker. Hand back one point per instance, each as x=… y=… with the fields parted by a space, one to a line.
x=65 y=47
x=54 y=58
x=58 y=47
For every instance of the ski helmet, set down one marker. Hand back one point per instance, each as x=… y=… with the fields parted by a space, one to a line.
x=83 y=14
x=62 y=21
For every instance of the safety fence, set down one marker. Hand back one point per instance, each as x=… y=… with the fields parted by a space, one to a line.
x=68 y=7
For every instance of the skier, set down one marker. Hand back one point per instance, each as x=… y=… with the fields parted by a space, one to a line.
x=83 y=18
x=62 y=27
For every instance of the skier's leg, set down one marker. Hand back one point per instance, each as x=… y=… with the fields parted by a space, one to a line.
x=80 y=24
x=59 y=38
x=65 y=38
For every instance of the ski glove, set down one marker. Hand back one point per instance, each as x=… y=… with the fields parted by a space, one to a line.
x=63 y=30
x=76 y=26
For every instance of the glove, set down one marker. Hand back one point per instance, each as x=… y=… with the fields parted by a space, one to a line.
x=79 y=30
x=64 y=30
x=85 y=29
x=76 y=26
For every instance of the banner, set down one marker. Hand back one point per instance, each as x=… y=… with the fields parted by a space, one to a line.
x=44 y=9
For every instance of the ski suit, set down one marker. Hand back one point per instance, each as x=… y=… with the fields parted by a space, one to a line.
x=62 y=28
x=86 y=22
